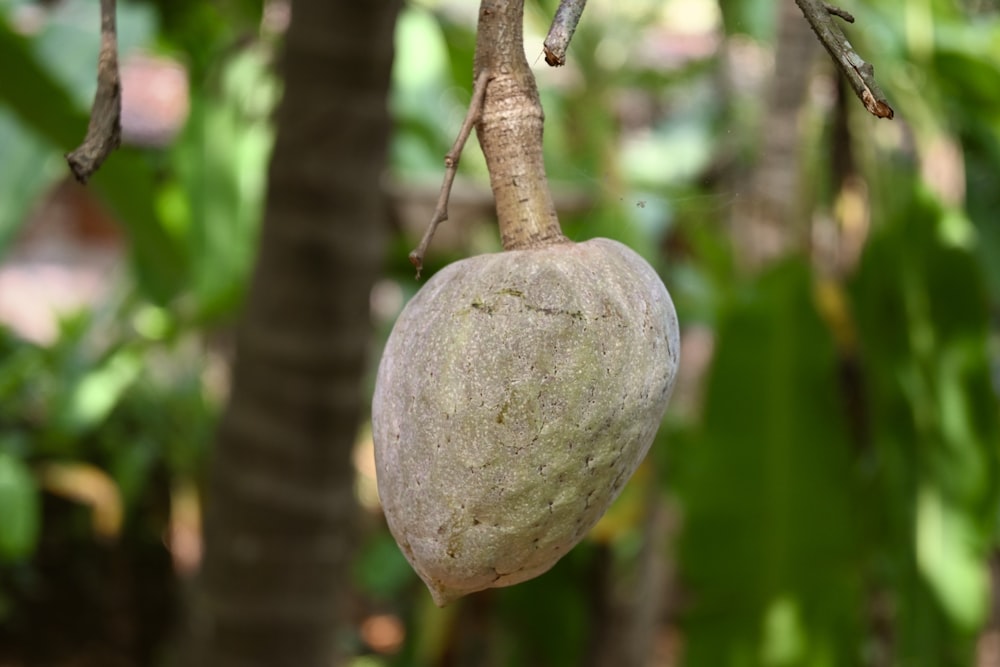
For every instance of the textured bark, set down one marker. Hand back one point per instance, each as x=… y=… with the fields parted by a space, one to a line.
x=510 y=130
x=280 y=509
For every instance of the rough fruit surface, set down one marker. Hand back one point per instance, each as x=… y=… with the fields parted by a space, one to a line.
x=516 y=395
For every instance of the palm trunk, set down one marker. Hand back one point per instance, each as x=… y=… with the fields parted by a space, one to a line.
x=280 y=507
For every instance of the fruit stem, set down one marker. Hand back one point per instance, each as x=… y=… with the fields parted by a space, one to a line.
x=510 y=130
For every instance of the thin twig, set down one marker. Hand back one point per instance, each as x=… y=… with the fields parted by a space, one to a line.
x=859 y=73
x=837 y=11
x=105 y=129
x=451 y=168
x=561 y=32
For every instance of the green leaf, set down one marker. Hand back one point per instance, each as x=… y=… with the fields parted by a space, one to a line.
x=221 y=160
x=552 y=605
x=948 y=556
x=768 y=549
x=28 y=168
x=38 y=99
x=126 y=182
x=21 y=511
x=756 y=18
x=423 y=99
x=381 y=570
x=96 y=394
x=922 y=314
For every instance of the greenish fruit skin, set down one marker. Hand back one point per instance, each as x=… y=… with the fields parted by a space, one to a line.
x=516 y=395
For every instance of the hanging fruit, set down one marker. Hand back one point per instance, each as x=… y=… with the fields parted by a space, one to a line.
x=518 y=391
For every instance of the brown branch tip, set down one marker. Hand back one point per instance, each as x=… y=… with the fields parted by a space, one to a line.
x=860 y=74
x=837 y=11
x=104 y=130
x=563 y=26
x=451 y=168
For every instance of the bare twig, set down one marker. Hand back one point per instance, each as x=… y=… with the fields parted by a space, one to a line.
x=860 y=74
x=561 y=32
x=451 y=168
x=105 y=128
x=837 y=11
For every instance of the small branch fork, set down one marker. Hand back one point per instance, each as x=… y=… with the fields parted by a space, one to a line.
x=818 y=13
x=451 y=168
x=561 y=32
x=563 y=26
x=860 y=74
x=105 y=129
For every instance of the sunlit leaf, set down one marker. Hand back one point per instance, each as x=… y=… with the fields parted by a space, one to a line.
x=423 y=98
x=948 y=554
x=221 y=165
x=93 y=397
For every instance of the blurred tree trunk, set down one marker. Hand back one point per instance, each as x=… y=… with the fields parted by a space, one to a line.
x=280 y=507
x=632 y=601
x=768 y=224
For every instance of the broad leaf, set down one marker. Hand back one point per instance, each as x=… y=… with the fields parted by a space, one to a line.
x=767 y=552
x=922 y=315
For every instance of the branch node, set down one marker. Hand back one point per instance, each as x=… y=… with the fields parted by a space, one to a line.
x=451 y=168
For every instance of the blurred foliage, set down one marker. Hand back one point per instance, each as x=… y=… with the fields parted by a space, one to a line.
x=836 y=476
x=922 y=320
x=57 y=113
x=783 y=456
x=106 y=393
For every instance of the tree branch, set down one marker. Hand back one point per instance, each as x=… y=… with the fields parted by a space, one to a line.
x=837 y=11
x=451 y=168
x=105 y=129
x=510 y=130
x=561 y=32
x=860 y=74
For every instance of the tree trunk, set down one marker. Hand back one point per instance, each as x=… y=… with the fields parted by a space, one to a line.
x=280 y=506
x=769 y=222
